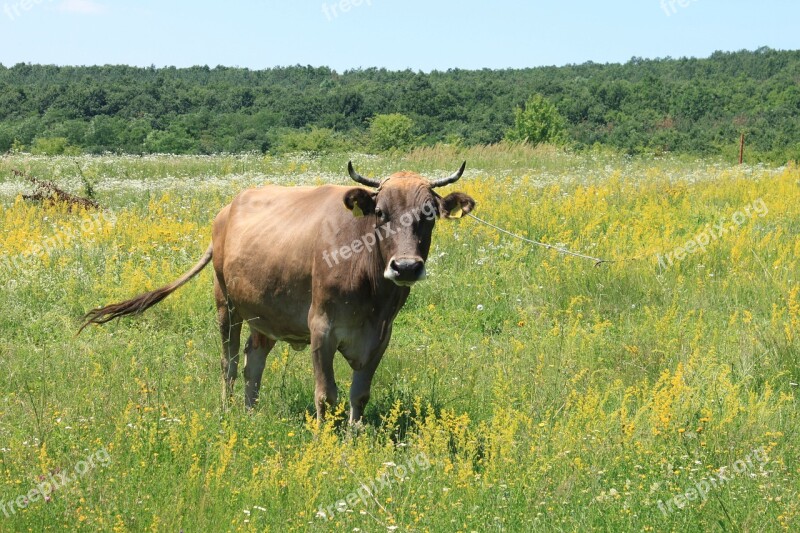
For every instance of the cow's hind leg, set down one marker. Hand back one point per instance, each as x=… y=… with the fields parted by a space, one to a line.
x=230 y=327
x=256 y=350
x=323 y=348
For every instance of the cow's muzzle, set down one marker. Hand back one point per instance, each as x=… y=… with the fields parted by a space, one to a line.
x=405 y=271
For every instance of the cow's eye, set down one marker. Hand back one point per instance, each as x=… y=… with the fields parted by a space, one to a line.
x=379 y=213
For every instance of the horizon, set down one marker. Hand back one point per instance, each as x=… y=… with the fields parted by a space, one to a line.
x=278 y=67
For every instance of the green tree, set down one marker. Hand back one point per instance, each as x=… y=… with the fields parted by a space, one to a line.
x=17 y=147
x=6 y=138
x=391 y=132
x=538 y=122
x=172 y=141
x=316 y=141
x=696 y=106
x=53 y=146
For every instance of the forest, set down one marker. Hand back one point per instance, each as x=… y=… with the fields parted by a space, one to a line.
x=645 y=106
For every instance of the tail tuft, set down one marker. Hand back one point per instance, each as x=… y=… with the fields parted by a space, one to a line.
x=134 y=306
x=144 y=301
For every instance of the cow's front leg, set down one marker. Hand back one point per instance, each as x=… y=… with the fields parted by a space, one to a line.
x=362 y=383
x=256 y=350
x=325 y=395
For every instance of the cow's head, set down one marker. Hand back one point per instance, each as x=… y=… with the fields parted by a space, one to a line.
x=404 y=208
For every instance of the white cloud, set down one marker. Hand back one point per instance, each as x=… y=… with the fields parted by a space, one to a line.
x=82 y=7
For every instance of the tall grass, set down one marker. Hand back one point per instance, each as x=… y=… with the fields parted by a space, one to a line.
x=542 y=392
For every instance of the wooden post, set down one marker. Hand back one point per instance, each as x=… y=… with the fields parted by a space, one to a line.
x=741 y=150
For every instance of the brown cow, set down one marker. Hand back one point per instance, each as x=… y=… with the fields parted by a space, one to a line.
x=297 y=267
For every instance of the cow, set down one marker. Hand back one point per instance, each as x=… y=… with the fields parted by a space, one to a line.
x=330 y=266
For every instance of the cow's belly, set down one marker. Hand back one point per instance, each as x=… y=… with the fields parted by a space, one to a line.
x=294 y=336
x=287 y=322
x=270 y=297
x=278 y=313
x=360 y=345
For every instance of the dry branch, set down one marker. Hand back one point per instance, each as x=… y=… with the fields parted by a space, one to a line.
x=49 y=192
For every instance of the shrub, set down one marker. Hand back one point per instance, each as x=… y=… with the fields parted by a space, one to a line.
x=53 y=146
x=538 y=122
x=317 y=141
x=391 y=132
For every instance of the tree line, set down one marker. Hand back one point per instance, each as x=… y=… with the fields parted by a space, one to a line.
x=687 y=105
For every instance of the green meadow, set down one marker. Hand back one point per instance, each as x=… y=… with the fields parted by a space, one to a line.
x=523 y=389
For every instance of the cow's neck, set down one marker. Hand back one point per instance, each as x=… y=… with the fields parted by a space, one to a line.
x=389 y=298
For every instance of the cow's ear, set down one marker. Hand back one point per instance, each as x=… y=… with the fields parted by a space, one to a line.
x=456 y=205
x=360 y=201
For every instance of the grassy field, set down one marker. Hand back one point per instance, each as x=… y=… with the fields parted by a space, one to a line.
x=523 y=390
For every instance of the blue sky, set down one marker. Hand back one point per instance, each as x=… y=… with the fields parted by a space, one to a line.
x=396 y=34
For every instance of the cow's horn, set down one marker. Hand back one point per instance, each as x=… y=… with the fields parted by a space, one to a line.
x=452 y=179
x=361 y=179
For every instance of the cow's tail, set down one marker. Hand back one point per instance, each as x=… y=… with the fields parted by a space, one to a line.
x=144 y=301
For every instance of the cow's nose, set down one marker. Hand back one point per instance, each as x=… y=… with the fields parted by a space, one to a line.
x=406 y=269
